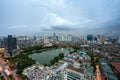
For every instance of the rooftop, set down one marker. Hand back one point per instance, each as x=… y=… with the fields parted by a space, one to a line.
x=79 y=70
x=82 y=52
x=116 y=65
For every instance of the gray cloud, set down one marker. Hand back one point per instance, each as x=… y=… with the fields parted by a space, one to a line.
x=63 y=28
x=63 y=15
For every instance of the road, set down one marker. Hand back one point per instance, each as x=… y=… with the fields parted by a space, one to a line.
x=98 y=74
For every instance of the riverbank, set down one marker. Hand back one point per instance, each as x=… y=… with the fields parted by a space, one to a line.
x=45 y=57
x=35 y=49
x=22 y=60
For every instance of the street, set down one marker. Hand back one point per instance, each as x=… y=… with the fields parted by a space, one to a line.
x=98 y=74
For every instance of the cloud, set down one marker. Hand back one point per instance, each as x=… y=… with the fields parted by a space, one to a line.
x=50 y=3
x=18 y=27
x=63 y=28
x=24 y=16
x=57 y=20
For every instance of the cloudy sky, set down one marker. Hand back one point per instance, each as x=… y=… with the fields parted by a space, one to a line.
x=27 y=17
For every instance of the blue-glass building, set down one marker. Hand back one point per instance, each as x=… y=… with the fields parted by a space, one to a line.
x=90 y=37
x=10 y=43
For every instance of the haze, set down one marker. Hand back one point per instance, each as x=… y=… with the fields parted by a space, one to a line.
x=31 y=17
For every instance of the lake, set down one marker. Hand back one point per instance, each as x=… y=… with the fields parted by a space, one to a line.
x=45 y=56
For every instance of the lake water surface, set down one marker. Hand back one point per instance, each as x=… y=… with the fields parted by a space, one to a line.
x=45 y=56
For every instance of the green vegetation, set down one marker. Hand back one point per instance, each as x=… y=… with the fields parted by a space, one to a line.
x=87 y=48
x=94 y=60
x=52 y=61
x=118 y=75
x=73 y=51
x=11 y=77
x=57 y=58
x=1 y=77
x=46 y=64
x=76 y=47
x=23 y=77
x=22 y=61
x=1 y=54
x=112 y=67
x=36 y=49
x=30 y=49
x=61 y=56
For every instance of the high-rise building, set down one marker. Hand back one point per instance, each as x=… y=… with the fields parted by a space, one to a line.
x=99 y=36
x=10 y=43
x=90 y=37
x=95 y=38
x=54 y=35
x=0 y=42
x=102 y=39
x=119 y=40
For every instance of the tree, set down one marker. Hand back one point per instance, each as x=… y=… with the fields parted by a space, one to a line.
x=56 y=59
x=11 y=77
x=1 y=77
x=45 y=65
x=52 y=61
x=61 y=55
x=24 y=77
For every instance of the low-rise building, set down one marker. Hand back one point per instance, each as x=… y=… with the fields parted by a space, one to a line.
x=78 y=71
x=107 y=71
x=38 y=72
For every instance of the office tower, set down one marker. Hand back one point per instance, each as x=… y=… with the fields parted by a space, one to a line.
x=0 y=42
x=98 y=36
x=34 y=38
x=10 y=44
x=119 y=40
x=70 y=37
x=54 y=35
x=90 y=37
x=95 y=38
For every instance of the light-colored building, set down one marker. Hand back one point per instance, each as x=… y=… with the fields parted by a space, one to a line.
x=47 y=43
x=66 y=38
x=74 y=73
x=2 y=50
x=101 y=39
x=78 y=72
x=38 y=72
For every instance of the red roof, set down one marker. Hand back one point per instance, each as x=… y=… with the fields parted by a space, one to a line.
x=76 y=69
x=117 y=66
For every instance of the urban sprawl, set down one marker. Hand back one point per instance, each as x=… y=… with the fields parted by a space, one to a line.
x=92 y=57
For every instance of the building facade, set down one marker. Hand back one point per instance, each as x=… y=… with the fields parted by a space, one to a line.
x=10 y=43
x=89 y=37
x=78 y=72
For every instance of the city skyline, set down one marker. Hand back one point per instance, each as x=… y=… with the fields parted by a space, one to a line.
x=35 y=17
